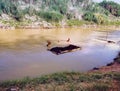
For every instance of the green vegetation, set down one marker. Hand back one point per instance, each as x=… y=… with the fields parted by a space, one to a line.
x=75 y=22
x=7 y=7
x=112 y=7
x=88 y=16
x=72 y=12
x=116 y=77
x=57 y=5
x=71 y=81
x=50 y=16
x=101 y=19
x=96 y=8
x=95 y=17
x=100 y=87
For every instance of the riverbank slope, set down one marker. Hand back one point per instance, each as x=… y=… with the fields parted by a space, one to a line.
x=106 y=78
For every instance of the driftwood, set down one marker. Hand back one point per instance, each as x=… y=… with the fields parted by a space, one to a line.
x=66 y=49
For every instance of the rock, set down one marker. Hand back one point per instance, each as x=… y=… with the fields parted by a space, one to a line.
x=117 y=59
x=32 y=18
x=109 y=64
x=5 y=17
x=119 y=54
x=66 y=49
x=95 y=68
x=109 y=41
x=46 y=25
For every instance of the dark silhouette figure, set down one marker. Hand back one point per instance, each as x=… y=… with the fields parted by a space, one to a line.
x=66 y=49
x=109 y=41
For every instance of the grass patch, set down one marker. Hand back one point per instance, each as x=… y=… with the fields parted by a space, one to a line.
x=75 y=22
x=113 y=22
x=116 y=76
x=70 y=81
x=85 y=78
x=100 y=87
x=96 y=76
x=59 y=77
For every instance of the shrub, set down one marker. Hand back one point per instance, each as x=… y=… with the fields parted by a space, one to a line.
x=21 y=83
x=88 y=16
x=51 y=16
x=29 y=10
x=112 y=7
x=97 y=76
x=43 y=79
x=10 y=8
x=69 y=16
x=100 y=19
x=96 y=8
x=56 y=5
x=59 y=77
x=0 y=12
x=72 y=87
x=84 y=78
x=75 y=23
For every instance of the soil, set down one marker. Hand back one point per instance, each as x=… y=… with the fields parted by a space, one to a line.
x=115 y=67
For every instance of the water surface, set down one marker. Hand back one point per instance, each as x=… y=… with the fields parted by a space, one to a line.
x=24 y=52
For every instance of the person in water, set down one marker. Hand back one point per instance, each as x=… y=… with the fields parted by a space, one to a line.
x=48 y=43
x=68 y=40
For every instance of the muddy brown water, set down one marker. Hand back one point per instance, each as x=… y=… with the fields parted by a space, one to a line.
x=24 y=52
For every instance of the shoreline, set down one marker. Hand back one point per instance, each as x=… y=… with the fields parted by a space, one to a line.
x=105 y=78
x=110 y=67
x=84 y=26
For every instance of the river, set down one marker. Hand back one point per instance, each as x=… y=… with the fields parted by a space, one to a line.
x=24 y=52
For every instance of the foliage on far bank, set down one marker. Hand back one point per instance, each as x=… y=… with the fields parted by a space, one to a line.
x=89 y=16
x=72 y=12
x=75 y=22
x=112 y=7
x=51 y=16
x=7 y=7
x=95 y=17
